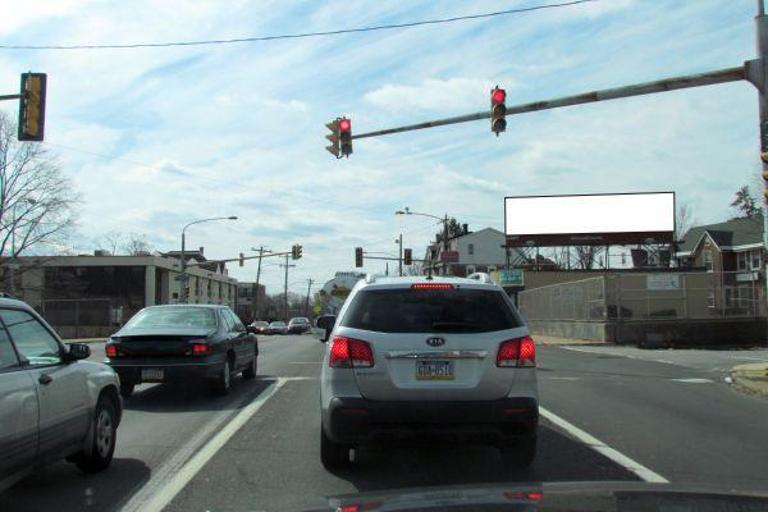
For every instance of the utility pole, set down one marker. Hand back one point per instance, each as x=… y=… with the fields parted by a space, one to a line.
x=306 y=303
x=445 y=244
x=258 y=276
x=761 y=82
x=400 y=255
x=285 y=288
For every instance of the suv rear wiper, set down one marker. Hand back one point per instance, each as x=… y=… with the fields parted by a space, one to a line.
x=458 y=326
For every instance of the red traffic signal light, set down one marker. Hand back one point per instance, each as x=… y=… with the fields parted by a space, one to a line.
x=345 y=136
x=498 y=110
x=345 y=125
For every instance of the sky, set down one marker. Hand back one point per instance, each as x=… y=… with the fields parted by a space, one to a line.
x=154 y=138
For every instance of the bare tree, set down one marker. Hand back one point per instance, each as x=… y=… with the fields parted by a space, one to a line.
x=137 y=245
x=417 y=269
x=683 y=220
x=37 y=202
x=110 y=242
x=585 y=256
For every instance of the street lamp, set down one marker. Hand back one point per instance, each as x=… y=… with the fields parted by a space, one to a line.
x=183 y=291
x=444 y=220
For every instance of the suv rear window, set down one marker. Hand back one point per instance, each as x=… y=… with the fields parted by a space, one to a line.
x=407 y=310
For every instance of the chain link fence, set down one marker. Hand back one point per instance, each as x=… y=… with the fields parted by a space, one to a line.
x=86 y=318
x=644 y=296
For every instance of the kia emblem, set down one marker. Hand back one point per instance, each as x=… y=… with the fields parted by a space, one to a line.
x=435 y=342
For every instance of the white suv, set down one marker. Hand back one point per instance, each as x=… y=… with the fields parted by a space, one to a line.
x=439 y=358
x=53 y=405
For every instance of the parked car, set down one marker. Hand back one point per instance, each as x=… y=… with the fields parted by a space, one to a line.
x=53 y=403
x=183 y=343
x=277 y=327
x=258 y=327
x=299 y=325
x=431 y=357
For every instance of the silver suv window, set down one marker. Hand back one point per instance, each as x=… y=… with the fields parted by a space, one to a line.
x=409 y=310
x=32 y=340
x=8 y=357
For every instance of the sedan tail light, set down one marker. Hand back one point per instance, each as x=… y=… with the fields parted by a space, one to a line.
x=518 y=352
x=110 y=349
x=200 y=348
x=350 y=353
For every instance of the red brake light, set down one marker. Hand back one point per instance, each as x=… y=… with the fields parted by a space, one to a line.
x=517 y=352
x=349 y=352
x=432 y=286
x=201 y=349
x=498 y=96
x=110 y=349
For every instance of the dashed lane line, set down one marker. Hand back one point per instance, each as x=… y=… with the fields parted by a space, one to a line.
x=169 y=479
x=602 y=448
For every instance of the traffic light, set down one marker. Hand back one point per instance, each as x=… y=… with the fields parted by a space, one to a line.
x=358 y=257
x=334 y=138
x=296 y=251
x=498 y=110
x=32 y=107
x=407 y=257
x=345 y=136
x=242 y=259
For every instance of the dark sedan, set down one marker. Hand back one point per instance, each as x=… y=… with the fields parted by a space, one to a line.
x=258 y=327
x=299 y=325
x=182 y=343
x=277 y=327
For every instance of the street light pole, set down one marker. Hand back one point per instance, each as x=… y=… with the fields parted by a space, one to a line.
x=400 y=255
x=445 y=244
x=183 y=275
x=258 y=276
x=444 y=220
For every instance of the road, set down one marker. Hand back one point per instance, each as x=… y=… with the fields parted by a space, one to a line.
x=607 y=417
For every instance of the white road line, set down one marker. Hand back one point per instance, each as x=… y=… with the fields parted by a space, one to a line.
x=168 y=480
x=602 y=448
x=694 y=380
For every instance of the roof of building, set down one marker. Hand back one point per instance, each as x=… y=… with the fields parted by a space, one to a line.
x=733 y=234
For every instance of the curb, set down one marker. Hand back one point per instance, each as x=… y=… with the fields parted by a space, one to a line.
x=751 y=378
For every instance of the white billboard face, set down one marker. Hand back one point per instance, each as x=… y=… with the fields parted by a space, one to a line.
x=590 y=219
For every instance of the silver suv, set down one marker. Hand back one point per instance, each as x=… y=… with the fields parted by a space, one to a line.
x=434 y=358
x=53 y=405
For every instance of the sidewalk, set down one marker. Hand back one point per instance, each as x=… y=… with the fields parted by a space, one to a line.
x=545 y=339
x=752 y=378
x=85 y=340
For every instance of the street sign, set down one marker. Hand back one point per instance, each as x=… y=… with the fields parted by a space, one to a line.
x=511 y=278
x=316 y=309
x=449 y=256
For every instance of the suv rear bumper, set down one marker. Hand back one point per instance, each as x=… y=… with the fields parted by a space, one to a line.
x=355 y=420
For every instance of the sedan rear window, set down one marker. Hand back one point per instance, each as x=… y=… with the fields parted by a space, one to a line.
x=407 y=310
x=173 y=317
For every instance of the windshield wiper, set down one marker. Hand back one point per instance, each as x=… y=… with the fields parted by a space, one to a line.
x=455 y=326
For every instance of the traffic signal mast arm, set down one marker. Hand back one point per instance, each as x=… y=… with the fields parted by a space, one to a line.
x=667 y=84
x=265 y=255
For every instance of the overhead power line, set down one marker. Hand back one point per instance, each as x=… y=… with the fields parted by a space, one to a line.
x=208 y=42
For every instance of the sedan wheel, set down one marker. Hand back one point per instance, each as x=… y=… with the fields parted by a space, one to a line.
x=250 y=372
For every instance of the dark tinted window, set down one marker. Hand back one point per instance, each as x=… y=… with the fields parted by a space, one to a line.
x=407 y=310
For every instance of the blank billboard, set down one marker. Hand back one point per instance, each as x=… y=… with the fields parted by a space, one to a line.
x=597 y=219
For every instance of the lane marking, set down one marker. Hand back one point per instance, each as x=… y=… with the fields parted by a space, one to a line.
x=305 y=362
x=694 y=380
x=603 y=449
x=562 y=378
x=169 y=479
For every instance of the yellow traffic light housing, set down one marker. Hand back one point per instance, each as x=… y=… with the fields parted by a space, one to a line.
x=334 y=148
x=32 y=107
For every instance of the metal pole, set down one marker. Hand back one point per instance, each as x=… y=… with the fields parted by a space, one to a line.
x=256 y=292
x=306 y=303
x=285 y=308
x=183 y=275
x=12 y=266
x=445 y=244
x=400 y=256
x=761 y=22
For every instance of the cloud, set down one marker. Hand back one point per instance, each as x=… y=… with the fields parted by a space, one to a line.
x=432 y=94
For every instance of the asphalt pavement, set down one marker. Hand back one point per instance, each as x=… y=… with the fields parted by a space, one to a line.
x=607 y=417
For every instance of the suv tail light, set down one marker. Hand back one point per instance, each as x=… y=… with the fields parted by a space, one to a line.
x=350 y=353
x=517 y=352
x=110 y=349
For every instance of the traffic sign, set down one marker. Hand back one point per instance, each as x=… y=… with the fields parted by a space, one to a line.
x=511 y=278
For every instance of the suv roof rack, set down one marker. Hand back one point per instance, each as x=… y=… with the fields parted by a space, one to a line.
x=370 y=278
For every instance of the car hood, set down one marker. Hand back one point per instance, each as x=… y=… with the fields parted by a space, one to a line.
x=165 y=331
x=567 y=496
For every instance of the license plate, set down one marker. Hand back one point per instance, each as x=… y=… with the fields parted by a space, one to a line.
x=152 y=374
x=434 y=370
